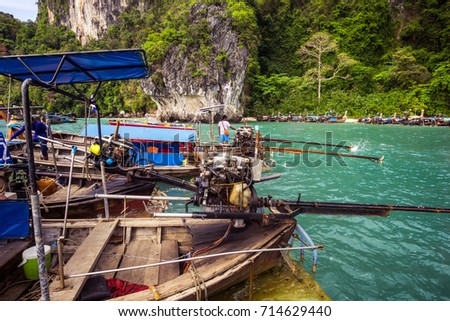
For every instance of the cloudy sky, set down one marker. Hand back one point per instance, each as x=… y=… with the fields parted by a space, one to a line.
x=21 y=9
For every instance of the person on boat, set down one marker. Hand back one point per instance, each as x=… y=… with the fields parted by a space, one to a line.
x=224 y=132
x=40 y=129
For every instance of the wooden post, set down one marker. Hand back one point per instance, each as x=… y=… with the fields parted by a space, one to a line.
x=251 y=276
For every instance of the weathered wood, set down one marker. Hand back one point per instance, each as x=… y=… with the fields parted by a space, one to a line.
x=152 y=274
x=11 y=249
x=16 y=285
x=140 y=252
x=110 y=259
x=127 y=235
x=169 y=251
x=206 y=234
x=83 y=261
x=255 y=237
x=123 y=222
x=158 y=235
x=146 y=222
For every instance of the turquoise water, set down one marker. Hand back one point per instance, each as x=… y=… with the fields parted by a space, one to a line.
x=405 y=256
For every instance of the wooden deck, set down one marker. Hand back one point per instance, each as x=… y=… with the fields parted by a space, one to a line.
x=144 y=241
x=94 y=245
x=83 y=261
x=12 y=279
x=11 y=256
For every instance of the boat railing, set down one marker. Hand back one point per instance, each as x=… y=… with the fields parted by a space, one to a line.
x=303 y=237
x=188 y=259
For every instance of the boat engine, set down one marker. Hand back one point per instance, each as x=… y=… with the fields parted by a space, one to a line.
x=226 y=185
x=247 y=139
x=118 y=151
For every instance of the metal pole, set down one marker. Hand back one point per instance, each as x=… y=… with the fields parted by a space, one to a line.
x=60 y=261
x=57 y=142
x=202 y=257
x=225 y=215
x=105 y=200
x=8 y=115
x=35 y=208
x=74 y=151
x=211 y=119
x=102 y=165
x=49 y=134
x=143 y=197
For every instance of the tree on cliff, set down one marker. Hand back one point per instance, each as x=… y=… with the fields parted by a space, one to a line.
x=322 y=52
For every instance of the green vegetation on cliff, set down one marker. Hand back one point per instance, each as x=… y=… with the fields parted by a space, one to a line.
x=396 y=53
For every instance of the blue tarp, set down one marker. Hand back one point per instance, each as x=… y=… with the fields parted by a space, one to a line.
x=144 y=133
x=14 y=217
x=76 y=67
x=161 y=159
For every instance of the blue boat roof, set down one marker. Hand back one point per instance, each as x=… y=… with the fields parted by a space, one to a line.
x=165 y=134
x=76 y=67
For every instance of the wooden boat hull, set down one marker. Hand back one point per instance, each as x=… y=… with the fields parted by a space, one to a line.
x=84 y=204
x=82 y=201
x=110 y=245
x=222 y=272
x=62 y=154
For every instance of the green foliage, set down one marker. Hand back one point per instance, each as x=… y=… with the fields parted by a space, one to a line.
x=403 y=56
x=405 y=71
x=399 y=55
x=9 y=27
x=243 y=20
x=366 y=31
x=438 y=92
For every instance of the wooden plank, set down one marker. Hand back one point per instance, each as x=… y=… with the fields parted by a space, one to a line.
x=123 y=222
x=151 y=275
x=83 y=261
x=140 y=252
x=169 y=251
x=110 y=259
x=132 y=257
x=11 y=249
x=127 y=235
x=158 y=235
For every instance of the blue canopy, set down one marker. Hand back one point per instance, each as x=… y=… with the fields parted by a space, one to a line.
x=164 y=134
x=76 y=67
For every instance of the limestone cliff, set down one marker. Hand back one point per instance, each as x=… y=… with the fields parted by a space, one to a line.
x=179 y=91
x=89 y=19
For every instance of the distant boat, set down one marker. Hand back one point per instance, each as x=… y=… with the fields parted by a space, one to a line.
x=312 y=119
x=332 y=118
x=58 y=119
x=158 y=144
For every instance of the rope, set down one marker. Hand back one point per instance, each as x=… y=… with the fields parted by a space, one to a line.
x=161 y=203
x=210 y=247
x=198 y=282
